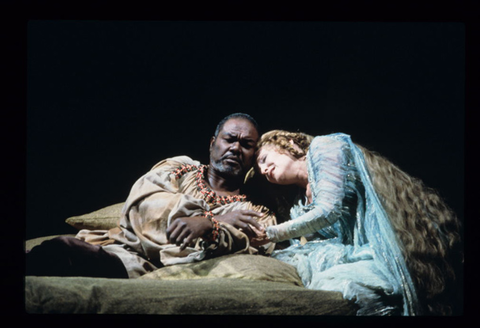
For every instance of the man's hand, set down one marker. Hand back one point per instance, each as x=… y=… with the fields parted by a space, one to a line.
x=243 y=220
x=182 y=231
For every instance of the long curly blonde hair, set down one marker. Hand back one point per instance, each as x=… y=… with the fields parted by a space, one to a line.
x=428 y=230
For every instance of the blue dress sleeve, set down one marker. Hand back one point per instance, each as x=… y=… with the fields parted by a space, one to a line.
x=327 y=167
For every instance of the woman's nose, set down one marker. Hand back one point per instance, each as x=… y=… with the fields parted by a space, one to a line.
x=264 y=169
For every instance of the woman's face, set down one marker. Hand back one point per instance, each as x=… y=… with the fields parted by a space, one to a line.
x=278 y=167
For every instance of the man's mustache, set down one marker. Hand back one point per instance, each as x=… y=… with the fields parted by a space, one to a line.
x=232 y=157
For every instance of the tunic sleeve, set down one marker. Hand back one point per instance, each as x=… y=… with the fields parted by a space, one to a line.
x=327 y=168
x=154 y=201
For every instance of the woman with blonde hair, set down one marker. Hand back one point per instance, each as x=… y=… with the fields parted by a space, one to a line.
x=361 y=226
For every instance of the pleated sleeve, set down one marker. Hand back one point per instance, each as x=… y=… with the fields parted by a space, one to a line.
x=327 y=168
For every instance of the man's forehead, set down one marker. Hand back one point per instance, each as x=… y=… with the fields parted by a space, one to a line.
x=242 y=127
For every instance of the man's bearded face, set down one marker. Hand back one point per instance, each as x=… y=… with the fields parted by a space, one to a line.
x=232 y=151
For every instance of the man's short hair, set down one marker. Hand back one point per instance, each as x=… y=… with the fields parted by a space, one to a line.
x=236 y=115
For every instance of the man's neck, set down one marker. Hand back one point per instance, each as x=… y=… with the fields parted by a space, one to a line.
x=223 y=186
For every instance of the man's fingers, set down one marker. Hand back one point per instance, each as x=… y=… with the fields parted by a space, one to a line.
x=170 y=229
x=252 y=221
x=181 y=237
x=174 y=234
x=186 y=242
x=247 y=229
x=252 y=213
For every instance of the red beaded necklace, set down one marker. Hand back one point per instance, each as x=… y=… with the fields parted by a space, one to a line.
x=208 y=194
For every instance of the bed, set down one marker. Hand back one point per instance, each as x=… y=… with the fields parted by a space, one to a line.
x=237 y=284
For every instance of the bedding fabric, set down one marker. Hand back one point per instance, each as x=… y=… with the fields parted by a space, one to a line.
x=102 y=219
x=234 y=266
x=216 y=296
x=233 y=284
x=31 y=243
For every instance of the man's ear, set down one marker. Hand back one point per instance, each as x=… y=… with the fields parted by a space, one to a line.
x=212 y=140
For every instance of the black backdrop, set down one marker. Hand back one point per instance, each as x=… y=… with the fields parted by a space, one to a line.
x=106 y=100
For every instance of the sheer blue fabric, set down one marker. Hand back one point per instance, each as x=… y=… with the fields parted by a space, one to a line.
x=352 y=247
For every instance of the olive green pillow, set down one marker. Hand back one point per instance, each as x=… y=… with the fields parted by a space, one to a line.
x=102 y=219
x=233 y=266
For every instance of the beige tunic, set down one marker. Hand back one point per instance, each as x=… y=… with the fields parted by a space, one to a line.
x=155 y=200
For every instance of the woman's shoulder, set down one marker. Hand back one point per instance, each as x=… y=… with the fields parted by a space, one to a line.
x=330 y=141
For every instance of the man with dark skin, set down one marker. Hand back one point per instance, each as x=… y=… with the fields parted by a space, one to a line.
x=232 y=154
x=180 y=211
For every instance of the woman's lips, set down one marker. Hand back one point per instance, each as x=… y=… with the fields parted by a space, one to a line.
x=269 y=173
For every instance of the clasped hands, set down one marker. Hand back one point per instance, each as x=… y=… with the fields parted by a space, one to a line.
x=183 y=230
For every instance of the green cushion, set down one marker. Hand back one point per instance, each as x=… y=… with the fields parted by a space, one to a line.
x=234 y=266
x=102 y=219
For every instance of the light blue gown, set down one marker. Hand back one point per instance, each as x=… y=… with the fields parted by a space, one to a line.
x=352 y=247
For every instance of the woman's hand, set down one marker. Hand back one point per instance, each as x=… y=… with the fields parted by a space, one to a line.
x=260 y=239
x=182 y=231
x=244 y=220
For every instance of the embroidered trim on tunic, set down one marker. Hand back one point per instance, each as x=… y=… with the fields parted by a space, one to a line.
x=215 y=234
x=209 y=195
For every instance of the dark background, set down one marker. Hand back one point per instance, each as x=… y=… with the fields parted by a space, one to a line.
x=106 y=100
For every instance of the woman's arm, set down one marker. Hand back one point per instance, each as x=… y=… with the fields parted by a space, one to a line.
x=327 y=168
